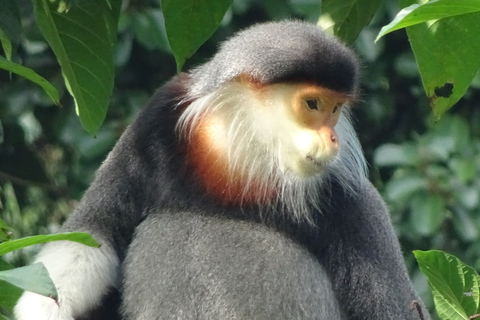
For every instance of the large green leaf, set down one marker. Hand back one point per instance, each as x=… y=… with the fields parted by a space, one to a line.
x=82 y=39
x=10 y=26
x=34 y=278
x=189 y=23
x=347 y=18
x=80 y=237
x=455 y=286
x=447 y=55
x=32 y=76
x=432 y=10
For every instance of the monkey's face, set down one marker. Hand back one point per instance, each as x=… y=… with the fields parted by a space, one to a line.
x=253 y=143
x=306 y=116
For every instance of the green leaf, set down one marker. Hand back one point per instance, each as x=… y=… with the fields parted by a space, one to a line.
x=455 y=286
x=456 y=129
x=9 y=295
x=465 y=169
x=432 y=10
x=82 y=39
x=399 y=189
x=6 y=44
x=447 y=55
x=10 y=26
x=189 y=23
x=465 y=225
x=428 y=213
x=2 y=317
x=32 y=76
x=390 y=154
x=149 y=28
x=346 y=19
x=34 y=278
x=79 y=237
x=4 y=265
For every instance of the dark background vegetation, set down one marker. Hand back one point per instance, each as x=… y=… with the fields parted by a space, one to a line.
x=427 y=172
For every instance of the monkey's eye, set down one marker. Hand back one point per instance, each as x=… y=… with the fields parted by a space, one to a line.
x=312 y=104
x=337 y=107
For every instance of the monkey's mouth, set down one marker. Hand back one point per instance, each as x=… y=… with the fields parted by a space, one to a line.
x=315 y=162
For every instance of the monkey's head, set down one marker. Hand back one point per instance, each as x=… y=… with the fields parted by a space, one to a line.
x=267 y=119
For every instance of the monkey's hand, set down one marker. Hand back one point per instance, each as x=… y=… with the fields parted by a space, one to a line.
x=35 y=306
x=82 y=276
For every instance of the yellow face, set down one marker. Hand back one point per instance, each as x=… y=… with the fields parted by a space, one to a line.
x=307 y=115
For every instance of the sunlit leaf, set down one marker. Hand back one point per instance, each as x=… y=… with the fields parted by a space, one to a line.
x=79 y=237
x=455 y=286
x=82 y=39
x=431 y=10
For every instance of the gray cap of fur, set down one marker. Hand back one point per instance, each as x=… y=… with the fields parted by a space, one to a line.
x=288 y=51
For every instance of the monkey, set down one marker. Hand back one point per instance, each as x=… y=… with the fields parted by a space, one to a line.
x=239 y=192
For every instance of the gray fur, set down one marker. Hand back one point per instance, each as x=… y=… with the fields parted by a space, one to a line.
x=212 y=268
x=206 y=266
x=280 y=52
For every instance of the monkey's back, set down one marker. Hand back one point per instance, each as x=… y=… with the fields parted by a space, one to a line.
x=189 y=266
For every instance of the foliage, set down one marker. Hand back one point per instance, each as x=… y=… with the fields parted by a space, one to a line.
x=445 y=48
x=82 y=40
x=47 y=159
x=346 y=19
x=435 y=185
x=455 y=286
x=35 y=277
x=199 y=19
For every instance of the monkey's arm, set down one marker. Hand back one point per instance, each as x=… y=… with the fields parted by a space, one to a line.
x=84 y=275
x=126 y=184
x=366 y=262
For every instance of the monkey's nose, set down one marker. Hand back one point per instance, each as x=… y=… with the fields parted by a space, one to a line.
x=330 y=138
